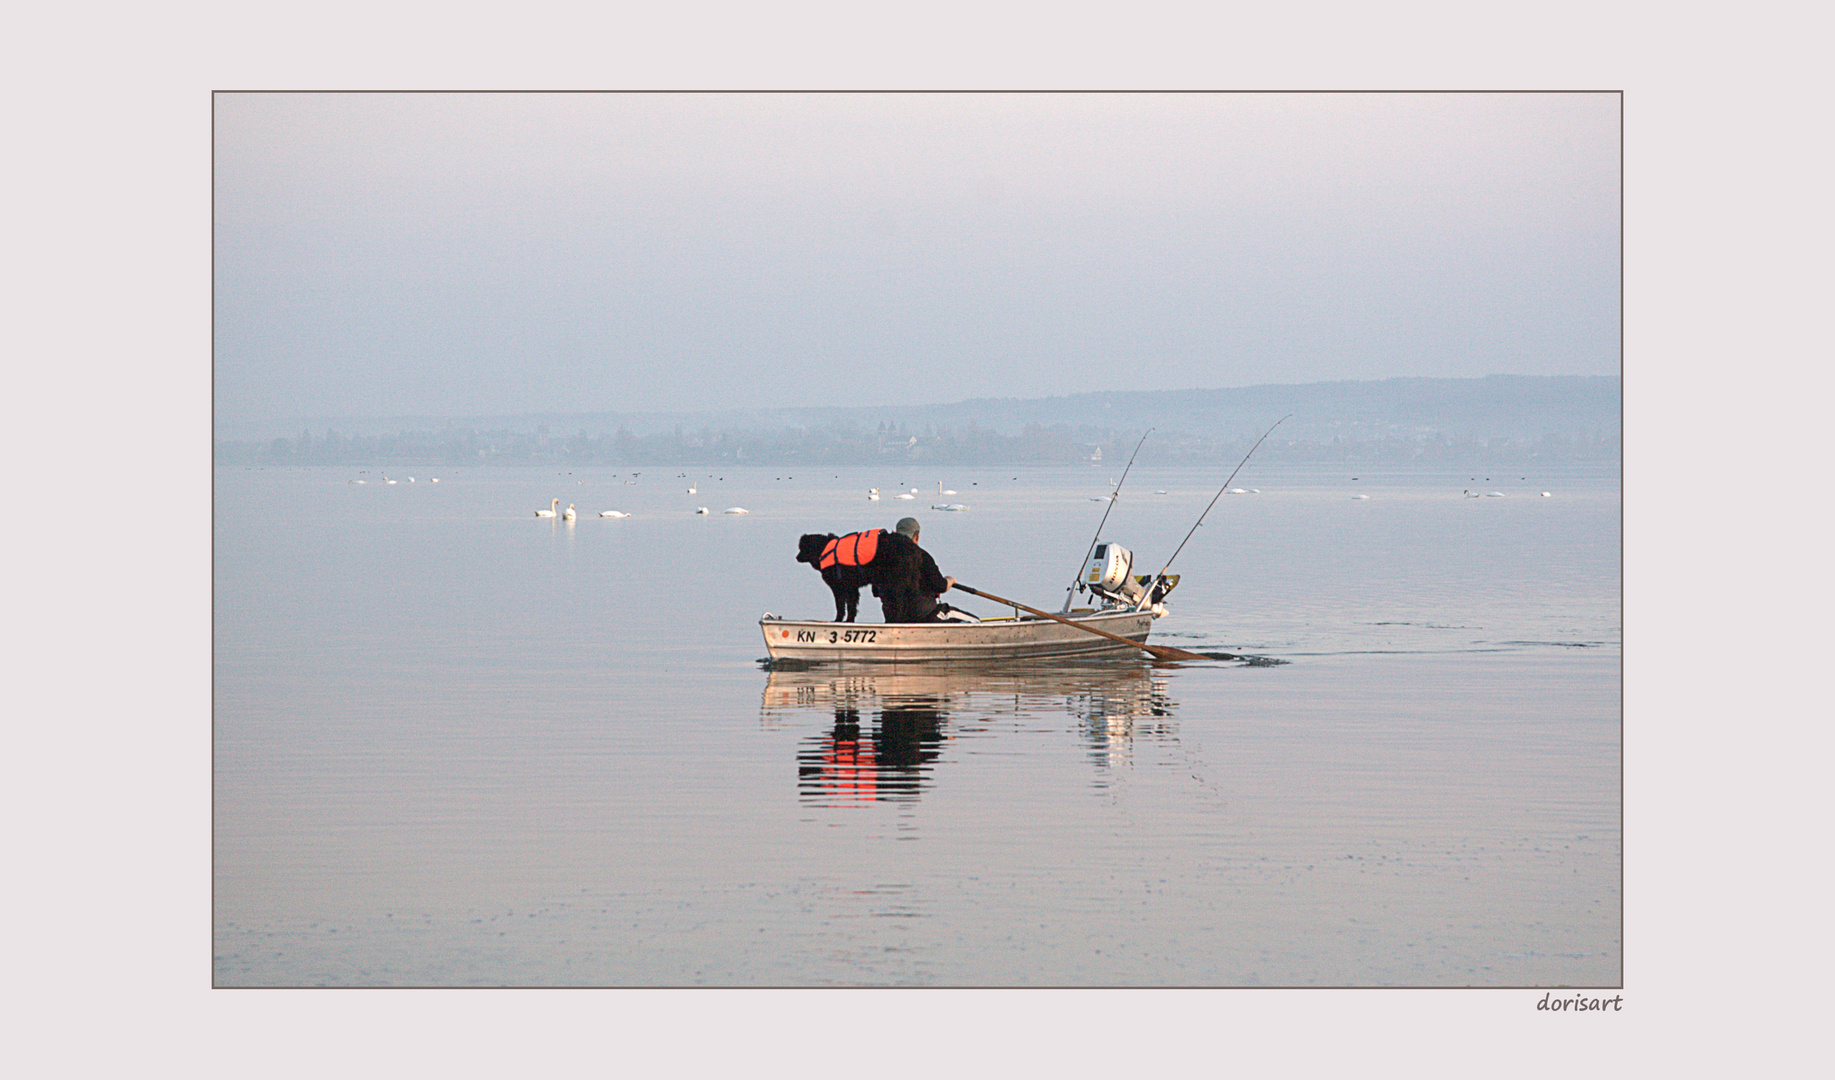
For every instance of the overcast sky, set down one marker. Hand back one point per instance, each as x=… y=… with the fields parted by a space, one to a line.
x=381 y=255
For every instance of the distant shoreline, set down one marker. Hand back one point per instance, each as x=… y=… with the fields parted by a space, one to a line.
x=1409 y=416
x=1498 y=419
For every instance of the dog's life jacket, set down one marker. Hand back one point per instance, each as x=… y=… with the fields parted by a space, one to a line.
x=854 y=549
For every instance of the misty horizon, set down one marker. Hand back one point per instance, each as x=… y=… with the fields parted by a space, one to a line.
x=1417 y=419
x=386 y=255
x=1005 y=414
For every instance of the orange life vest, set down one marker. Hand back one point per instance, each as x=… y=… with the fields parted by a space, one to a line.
x=854 y=549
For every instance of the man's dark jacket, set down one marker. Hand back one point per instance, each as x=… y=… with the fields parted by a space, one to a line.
x=914 y=599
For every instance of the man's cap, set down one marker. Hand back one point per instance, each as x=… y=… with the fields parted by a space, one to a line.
x=908 y=526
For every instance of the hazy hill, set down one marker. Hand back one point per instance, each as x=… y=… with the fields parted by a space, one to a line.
x=1497 y=416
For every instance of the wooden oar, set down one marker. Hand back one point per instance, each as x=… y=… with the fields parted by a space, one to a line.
x=1163 y=652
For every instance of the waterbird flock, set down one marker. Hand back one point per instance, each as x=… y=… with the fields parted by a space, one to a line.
x=694 y=488
x=873 y=495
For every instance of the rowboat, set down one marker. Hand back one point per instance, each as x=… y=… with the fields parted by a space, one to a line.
x=1002 y=638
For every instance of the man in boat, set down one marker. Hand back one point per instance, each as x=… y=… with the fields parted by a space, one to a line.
x=916 y=599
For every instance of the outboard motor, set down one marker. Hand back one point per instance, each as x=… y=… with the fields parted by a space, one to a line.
x=1110 y=575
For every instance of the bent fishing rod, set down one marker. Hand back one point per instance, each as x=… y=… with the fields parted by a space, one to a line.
x=1161 y=576
x=1113 y=495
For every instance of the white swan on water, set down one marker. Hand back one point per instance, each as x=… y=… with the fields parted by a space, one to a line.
x=701 y=510
x=553 y=508
x=613 y=513
x=735 y=510
x=872 y=494
x=569 y=515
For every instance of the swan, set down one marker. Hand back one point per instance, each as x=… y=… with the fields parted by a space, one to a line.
x=1239 y=491
x=735 y=510
x=1544 y=494
x=1360 y=496
x=410 y=479
x=949 y=506
x=940 y=490
x=701 y=510
x=872 y=494
x=904 y=495
x=1470 y=494
x=386 y=480
x=436 y=479
x=569 y=515
x=613 y=513
x=694 y=489
x=1494 y=494
x=550 y=512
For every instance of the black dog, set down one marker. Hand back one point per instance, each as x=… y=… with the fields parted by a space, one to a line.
x=895 y=562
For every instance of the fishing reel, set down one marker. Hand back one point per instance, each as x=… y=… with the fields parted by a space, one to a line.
x=1110 y=576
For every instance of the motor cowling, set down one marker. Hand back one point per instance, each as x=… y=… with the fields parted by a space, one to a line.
x=1110 y=574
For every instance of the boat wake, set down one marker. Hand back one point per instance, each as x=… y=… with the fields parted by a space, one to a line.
x=1242 y=659
x=788 y=663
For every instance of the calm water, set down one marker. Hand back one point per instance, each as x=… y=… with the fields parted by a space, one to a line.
x=458 y=745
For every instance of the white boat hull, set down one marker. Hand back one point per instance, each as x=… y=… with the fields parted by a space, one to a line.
x=990 y=639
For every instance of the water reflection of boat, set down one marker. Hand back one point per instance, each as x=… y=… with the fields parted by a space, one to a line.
x=886 y=763
x=883 y=729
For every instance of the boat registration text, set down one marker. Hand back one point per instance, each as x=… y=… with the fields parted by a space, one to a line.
x=856 y=636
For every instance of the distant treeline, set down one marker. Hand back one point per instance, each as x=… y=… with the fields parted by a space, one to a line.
x=849 y=444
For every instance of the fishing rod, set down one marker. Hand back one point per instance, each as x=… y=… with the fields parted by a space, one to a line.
x=1113 y=495
x=1161 y=576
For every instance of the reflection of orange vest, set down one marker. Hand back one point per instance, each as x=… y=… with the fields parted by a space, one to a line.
x=850 y=774
x=854 y=549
